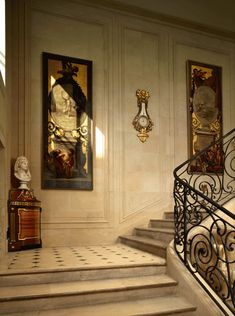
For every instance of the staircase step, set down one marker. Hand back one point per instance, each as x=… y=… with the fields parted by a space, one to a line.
x=146 y=244
x=158 y=306
x=60 y=295
x=231 y=305
x=162 y=223
x=41 y=276
x=163 y=234
x=169 y=215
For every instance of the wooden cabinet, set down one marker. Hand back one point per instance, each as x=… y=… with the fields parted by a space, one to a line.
x=24 y=218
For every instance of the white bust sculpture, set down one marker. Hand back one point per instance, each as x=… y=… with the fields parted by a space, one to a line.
x=21 y=172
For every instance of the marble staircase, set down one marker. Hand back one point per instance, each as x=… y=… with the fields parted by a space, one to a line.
x=135 y=284
x=153 y=239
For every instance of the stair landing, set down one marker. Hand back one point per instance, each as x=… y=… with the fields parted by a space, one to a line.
x=64 y=258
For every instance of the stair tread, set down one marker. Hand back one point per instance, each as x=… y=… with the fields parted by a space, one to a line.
x=160 y=230
x=163 y=220
x=81 y=287
x=146 y=240
x=155 y=306
x=158 y=262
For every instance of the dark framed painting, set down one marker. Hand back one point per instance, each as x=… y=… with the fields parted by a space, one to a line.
x=204 y=102
x=67 y=123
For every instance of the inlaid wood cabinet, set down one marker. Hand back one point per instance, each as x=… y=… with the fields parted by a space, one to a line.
x=24 y=219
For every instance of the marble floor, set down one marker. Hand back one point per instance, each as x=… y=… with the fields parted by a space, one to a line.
x=76 y=257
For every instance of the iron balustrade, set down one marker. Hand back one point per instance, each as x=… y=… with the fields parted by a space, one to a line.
x=204 y=226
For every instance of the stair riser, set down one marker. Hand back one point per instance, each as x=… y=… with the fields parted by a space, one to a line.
x=161 y=252
x=173 y=313
x=83 y=299
x=155 y=235
x=169 y=215
x=81 y=275
x=161 y=224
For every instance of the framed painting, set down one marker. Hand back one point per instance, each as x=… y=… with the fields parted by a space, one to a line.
x=204 y=102
x=67 y=123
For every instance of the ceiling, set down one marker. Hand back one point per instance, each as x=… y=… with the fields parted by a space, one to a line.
x=218 y=14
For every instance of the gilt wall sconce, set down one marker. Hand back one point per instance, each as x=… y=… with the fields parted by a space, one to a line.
x=142 y=122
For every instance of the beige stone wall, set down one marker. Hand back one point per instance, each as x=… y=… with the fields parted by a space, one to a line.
x=3 y=168
x=132 y=181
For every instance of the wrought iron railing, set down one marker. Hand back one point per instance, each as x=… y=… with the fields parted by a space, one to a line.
x=204 y=190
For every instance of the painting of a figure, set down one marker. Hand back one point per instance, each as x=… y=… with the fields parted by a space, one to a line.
x=67 y=123
x=204 y=115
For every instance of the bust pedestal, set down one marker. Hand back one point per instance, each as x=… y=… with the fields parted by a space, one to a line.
x=24 y=218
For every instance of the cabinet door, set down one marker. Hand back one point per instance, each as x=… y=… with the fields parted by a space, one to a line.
x=24 y=228
x=29 y=224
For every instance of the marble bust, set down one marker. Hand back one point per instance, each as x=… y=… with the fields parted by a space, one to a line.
x=21 y=172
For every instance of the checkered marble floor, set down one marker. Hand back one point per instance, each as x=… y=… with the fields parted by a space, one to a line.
x=76 y=257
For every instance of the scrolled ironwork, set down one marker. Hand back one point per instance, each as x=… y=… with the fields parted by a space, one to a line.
x=204 y=227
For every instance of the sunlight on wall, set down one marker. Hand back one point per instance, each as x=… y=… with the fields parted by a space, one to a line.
x=2 y=39
x=99 y=143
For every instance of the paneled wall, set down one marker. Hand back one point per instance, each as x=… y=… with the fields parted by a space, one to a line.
x=3 y=167
x=132 y=181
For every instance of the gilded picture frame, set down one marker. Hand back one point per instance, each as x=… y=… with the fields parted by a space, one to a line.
x=205 y=115
x=67 y=123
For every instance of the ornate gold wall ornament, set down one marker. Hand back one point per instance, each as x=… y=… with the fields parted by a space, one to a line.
x=142 y=121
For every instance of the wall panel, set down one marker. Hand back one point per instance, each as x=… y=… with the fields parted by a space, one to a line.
x=79 y=38
x=204 y=50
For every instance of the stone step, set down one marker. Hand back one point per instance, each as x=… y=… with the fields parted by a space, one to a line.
x=156 y=247
x=169 y=215
x=162 y=223
x=231 y=305
x=163 y=234
x=41 y=276
x=158 y=306
x=61 y=295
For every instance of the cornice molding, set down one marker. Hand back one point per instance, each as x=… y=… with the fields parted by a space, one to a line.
x=158 y=17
